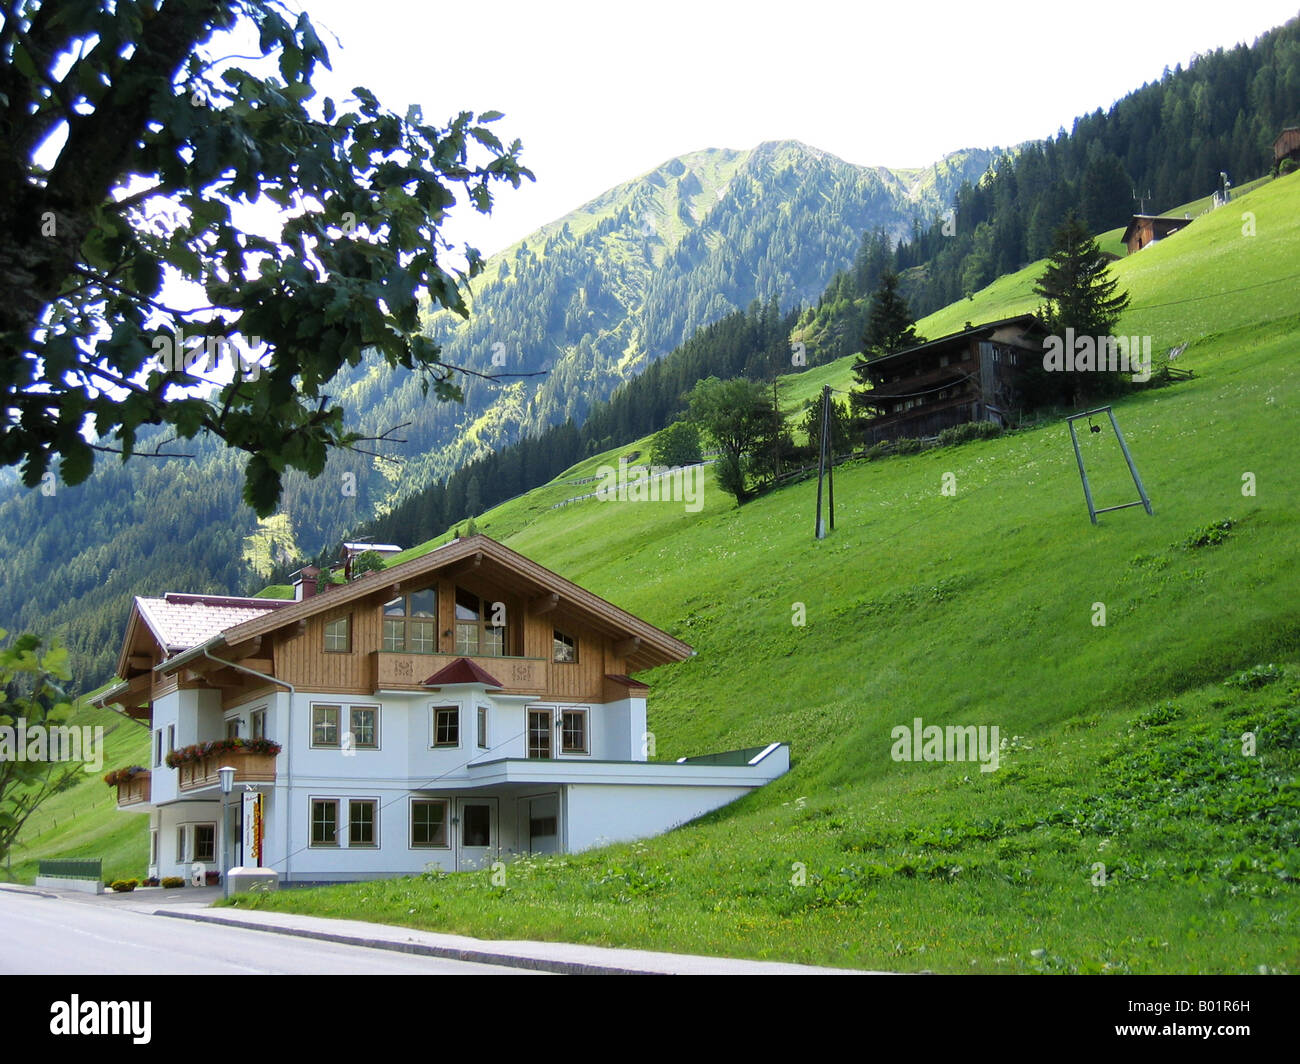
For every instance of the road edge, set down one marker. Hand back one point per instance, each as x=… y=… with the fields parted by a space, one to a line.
x=540 y=964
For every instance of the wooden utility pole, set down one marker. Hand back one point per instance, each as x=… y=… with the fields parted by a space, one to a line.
x=830 y=457
x=776 y=437
x=819 y=530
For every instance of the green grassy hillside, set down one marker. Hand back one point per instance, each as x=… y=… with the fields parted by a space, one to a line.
x=83 y=821
x=1125 y=829
x=1201 y=281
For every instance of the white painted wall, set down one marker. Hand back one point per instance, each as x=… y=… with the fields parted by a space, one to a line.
x=405 y=763
x=166 y=711
x=624 y=729
x=167 y=819
x=598 y=814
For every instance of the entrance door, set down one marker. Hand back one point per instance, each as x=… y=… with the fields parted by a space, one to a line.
x=540 y=732
x=542 y=816
x=476 y=833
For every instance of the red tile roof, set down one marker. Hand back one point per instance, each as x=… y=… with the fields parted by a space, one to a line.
x=462 y=670
x=179 y=622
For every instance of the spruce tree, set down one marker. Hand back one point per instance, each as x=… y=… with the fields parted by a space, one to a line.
x=1082 y=295
x=890 y=325
x=1077 y=285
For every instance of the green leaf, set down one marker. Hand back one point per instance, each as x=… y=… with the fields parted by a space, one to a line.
x=146 y=273
x=261 y=486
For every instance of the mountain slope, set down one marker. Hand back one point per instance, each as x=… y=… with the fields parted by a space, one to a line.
x=1123 y=756
x=590 y=299
x=593 y=298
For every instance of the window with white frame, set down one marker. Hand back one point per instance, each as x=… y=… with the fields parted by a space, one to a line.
x=257 y=724
x=482 y=727
x=328 y=731
x=573 y=731
x=411 y=622
x=205 y=842
x=564 y=648
x=325 y=725
x=363 y=815
x=480 y=625
x=324 y=822
x=446 y=725
x=338 y=635
x=429 y=823
x=363 y=723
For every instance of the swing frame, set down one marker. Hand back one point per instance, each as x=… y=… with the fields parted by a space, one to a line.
x=1143 y=500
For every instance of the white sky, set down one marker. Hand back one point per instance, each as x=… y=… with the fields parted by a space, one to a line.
x=602 y=92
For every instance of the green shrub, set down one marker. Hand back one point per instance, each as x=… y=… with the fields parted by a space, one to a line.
x=731 y=477
x=1209 y=536
x=677 y=445
x=878 y=450
x=124 y=886
x=1259 y=676
x=970 y=430
x=171 y=882
x=908 y=445
x=1165 y=714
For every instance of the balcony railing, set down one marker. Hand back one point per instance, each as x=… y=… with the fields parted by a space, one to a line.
x=395 y=671
x=135 y=791
x=249 y=768
x=133 y=785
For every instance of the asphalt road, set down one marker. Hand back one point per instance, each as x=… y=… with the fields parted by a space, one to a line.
x=56 y=936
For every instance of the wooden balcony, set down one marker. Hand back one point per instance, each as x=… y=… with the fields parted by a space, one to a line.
x=922 y=379
x=134 y=791
x=407 y=672
x=249 y=768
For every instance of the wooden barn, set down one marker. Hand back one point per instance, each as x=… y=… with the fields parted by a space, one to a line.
x=1287 y=146
x=1144 y=229
x=972 y=375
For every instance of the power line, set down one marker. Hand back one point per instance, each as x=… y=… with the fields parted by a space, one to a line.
x=1213 y=295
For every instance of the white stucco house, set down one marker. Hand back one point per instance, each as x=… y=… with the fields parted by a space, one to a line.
x=454 y=710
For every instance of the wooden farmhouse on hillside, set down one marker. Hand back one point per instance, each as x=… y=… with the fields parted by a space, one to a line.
x=972 y=375
x=451 y=711
x=1287 y=146
x=1144 y=229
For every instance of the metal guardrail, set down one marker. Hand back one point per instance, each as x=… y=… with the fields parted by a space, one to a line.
x=747 y=756
x=70 y=869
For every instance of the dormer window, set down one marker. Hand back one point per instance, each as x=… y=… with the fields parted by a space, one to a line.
x=480 y=626
x=411 y=622
x=564 y=648
x=338 y=635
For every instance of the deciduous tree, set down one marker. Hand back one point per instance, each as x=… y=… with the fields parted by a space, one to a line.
x=126 y=141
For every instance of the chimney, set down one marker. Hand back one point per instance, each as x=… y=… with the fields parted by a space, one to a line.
x=304 y=587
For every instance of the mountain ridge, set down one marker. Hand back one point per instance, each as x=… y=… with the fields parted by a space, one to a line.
x=595 y=296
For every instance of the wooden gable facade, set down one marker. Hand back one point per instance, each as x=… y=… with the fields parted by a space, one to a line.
x=556 y=640
x=973 y=375
x=1286 y=146
x=1144 y=229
